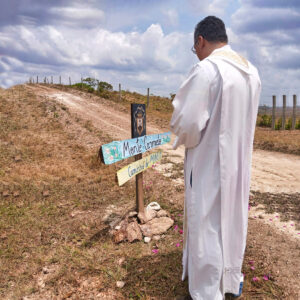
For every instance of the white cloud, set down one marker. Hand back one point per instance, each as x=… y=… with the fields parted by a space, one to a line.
x=269 y=37
x=84 y=16
x=215 y=7
x=171 y=17
x=135 y=58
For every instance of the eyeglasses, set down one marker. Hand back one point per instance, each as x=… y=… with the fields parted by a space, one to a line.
x=193 y=49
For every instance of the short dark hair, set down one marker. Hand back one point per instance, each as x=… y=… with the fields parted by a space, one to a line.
x=212 y=29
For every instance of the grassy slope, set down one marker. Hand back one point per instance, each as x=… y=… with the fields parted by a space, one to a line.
x=53 y=195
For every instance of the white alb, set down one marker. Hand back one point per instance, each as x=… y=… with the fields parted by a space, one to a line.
x=214 y=118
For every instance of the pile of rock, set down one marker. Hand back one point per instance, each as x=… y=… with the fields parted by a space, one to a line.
x=149 y=225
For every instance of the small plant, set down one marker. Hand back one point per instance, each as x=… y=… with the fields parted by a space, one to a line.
x=265 y=121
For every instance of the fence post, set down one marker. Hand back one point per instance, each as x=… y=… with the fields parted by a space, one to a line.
x=294 y=112
x=274 y=113
x=51 y=79
x=120 y=91
x=37 y=79
x=283 y=111
x=69 y=80
x=148 y=97
x=59 y=79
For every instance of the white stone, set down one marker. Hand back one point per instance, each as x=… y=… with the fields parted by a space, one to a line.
x=118 y=227
x=147 y=239
x=153 y=205
x=120 y=284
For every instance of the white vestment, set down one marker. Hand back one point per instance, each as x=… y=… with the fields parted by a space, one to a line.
x=214 y=118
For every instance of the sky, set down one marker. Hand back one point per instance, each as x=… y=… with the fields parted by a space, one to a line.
x=145 y=43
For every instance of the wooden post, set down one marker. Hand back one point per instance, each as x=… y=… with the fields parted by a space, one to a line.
x=37 y=79
x=283 y=111
x=59 y=79
x=120 y=91
x=294 y=112
x=138 y=129
x=274 y=113
x=69 y=80
x=147 y=97
x=51 y=79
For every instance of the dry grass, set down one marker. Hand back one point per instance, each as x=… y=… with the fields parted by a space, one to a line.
x=53 y=195
x=286 y=141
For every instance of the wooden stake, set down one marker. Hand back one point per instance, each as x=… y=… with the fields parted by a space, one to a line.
x=69 y=80
x=294 y=112
x=147 y=97
x=120 y=91
x=37 y=79
x=59 y=79
x=283 y=112
x=139 y=189
x=274 y=113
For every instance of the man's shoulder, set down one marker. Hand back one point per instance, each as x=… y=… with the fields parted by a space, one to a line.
x=206 y=69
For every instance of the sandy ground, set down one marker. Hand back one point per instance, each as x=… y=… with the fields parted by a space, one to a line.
x=271 y=171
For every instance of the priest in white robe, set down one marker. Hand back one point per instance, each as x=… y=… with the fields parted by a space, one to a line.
x=214 y=118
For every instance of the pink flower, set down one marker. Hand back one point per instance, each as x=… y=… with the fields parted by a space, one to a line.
x=251 y=262
x=249 y=207
x=254 y=217
x=155 y=251
x=276 y=216
x=292 y=224
x=255 y=279
x=181 y=231
x=178 y=245
x=175 y=227
x=298 y=233
x=266 y=277
x=179 y=215
x=252 y=268
x=270 y=220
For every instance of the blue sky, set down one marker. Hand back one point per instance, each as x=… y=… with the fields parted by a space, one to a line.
x=143 y=43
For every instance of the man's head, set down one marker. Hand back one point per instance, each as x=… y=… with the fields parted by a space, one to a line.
x=209 y=35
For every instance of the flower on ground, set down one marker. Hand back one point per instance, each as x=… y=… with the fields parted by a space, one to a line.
x=178 y=245
x=175 y=227
x=255 y=279
x=271 y=220
x=179 y=215
x=181 y=231
x=276 y=216
x=266 y=277
x=249 y=207
x=251 y=262
x=252 y=268
x=292 y=224
x=155 y=251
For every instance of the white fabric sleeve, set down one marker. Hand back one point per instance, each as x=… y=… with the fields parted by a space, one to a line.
x=191 y=109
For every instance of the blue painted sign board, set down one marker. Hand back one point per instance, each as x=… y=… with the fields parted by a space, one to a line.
x=118 y=150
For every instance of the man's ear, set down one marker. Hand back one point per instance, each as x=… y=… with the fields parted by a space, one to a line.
x=201 y=41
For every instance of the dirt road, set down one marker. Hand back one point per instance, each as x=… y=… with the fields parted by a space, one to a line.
x=271 y=171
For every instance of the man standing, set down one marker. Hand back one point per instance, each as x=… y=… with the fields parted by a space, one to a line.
x=214 y=118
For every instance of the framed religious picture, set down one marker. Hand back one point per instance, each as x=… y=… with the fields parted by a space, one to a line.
x=138 y=120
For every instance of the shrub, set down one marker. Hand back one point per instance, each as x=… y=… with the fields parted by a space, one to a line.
x=104 y=86
x=288 y=124
x=265 y=121
x=84 y=86
x=297 y=125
